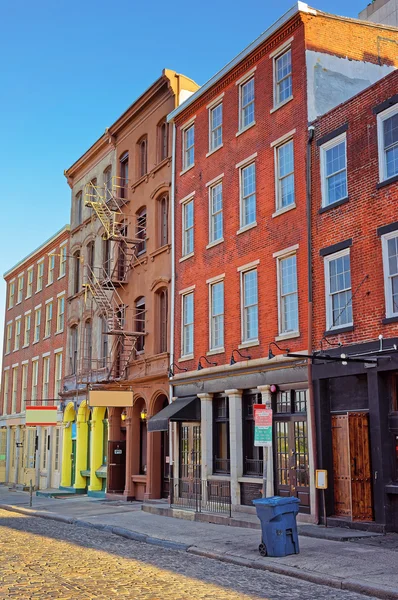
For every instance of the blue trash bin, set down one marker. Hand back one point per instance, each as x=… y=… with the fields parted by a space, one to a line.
x=278 y=525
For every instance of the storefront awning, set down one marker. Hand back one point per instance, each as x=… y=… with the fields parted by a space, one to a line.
x=182 y=409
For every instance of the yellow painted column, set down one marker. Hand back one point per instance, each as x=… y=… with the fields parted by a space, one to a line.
x=97 y=441
x=83 y=415
x=66 y=469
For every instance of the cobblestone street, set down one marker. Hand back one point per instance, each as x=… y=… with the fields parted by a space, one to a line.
x=45 y=559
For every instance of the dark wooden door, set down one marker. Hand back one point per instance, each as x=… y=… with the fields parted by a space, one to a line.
x=116 y=479
x=352 y=475
x=361 y=475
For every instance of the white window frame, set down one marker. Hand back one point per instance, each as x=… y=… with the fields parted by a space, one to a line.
x=211 y=283
x=242 y=166
x=336 y=141
x=278 y=179
x=17 y=334
x=60 y=315
x=40 y=275
x=242 y=82
x=246 y=341
x=46 y=377
x=275 y=57
x=26 y=331
x=20 y=287
x=187 y=201
x=381 y=117
x=57 y=373
x=48 y=318
x=329 y=305
x=37 y=324
x=8 y=337
x=35 y=378
x=6 y=389
x=51 y=267
x=11 y=293
x=386 y=271
x=62 y=260
x=24 y=383
x=29 y=282
x=184 y=131
x=184 y=296
x=211 y=187
x=14 y=391
x=282 y=331
x=213 y=148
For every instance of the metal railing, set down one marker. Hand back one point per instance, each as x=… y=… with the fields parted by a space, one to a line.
x=201 y=495
x=253 y=466
x=221 y=465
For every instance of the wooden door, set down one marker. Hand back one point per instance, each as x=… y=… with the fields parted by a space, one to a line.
x=116 y=480
x=341 y=466
x=361 y=475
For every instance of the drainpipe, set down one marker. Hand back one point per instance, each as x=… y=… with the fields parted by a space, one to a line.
x=172 y=302
x=311 y=131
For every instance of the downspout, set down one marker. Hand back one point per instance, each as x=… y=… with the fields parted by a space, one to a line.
x=172 y=302
x=311 y=131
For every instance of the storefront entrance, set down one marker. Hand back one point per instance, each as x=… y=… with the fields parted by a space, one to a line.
x=352 y=480
x=291 y=447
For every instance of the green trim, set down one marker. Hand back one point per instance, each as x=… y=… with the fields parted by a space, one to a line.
x=85 y=472
x=99 y=494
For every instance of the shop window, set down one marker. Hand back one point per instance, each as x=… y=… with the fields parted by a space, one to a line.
x=252 y=455
x=143 y=446
x=291 y=401
x=221 y=445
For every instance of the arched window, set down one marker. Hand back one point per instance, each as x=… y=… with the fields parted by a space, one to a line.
x=76 y=272
x=124 y=175
x=162 y=319
x=104 y=341
x=108 y=183
x=141 y=230
x=106 y=256
x=88 y=344
x=142 y=156
x=163 y=216
x=163 y=140
x=139 y=325
x=90 y=254
x=73 y=349
x=79 y=208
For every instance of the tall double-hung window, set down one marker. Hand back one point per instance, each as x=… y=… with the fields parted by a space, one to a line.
x=249 y=304
x=334 y=170
x=216 y=212
x=248 y=194
x=188 y=143
x=288 y=294
x=390 y=266
x=338 y=290
x=187 y=324
x=215 y=116
x=216 y=290
x=387 y=133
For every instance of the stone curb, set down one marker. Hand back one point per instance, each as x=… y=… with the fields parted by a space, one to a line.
x=353 y=585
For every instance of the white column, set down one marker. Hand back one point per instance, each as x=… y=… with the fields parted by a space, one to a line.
x=265 y=391
x=235 y=442
x=8 y=454
x=206 y=432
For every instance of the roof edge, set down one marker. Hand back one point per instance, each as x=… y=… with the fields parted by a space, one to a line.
x=37 y=250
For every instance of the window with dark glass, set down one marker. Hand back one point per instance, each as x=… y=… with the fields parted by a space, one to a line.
x=141 y=230
x=88 y=347
x=104 y=345
x=76 y=268
x=140 y=323
x=90 y=255
x=143 y=157
x=124 y=175
x=73 y=350
x=252 y=455
x=79 y=208
x=291 y=401
x=143 y=446
x=221 y=458
x=106 y=256
x=163 y=314
x=163 y=129
x=163 y=209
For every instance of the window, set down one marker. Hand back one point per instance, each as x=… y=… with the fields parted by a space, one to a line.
x=141 y=230
x=246 y=101
x=140 y=323
x=91 y=254
x=73 y=349
x=288 y=296
x=142 y=156
x=387 y=133
x=26 y=333
x=60 y=313
x=285 y=175
x=334 y=170
x=390 y=265
x=248 y=195
x=163 y=208
x=107 y=178
x=9 y=338
x=40 y=276
x=11 y=294
x=62 y=261
x=49 y=317
x=104 y=342
x=292 y=401
x=217 y=315
x=88 y=344
x=37 y=324
x=221 y=457
x=51 y=268
x=14 y=390
x=79 y=208
x=17 y=334
x=76 y=274
x=24 y=393
x=46 y=377
x=163 y=319
x=56 y=453
x=35 y=378
x=250 y=306
x=188 y=147
x=124 y=175
x=29 y=285
x=106 y=256
x=283 y=77
x=215 y=116
x=20 y=288
x=58 y=374
x=163 y=140
x=187 y=324
x=187 y=224
x=338 y=290
x=216 y=215
x=252 y=455
x=44 y=449
x=6 y=383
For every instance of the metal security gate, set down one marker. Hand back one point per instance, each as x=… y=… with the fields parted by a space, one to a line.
x=201 y=496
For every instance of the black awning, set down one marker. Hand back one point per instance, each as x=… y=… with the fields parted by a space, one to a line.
x=182 y=409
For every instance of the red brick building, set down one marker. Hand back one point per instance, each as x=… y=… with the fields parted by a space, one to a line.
x=33 y=363
x=355 y=278
x=240 y=252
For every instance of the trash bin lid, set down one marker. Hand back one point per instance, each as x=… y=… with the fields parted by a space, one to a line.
x=276 y=501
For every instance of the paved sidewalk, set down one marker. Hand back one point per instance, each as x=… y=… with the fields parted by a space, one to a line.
x=368 y=565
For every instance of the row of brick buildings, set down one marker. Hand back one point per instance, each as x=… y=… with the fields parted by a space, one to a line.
x=233 y=245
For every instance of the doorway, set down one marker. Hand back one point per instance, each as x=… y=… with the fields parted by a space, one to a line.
x=352 y=475
x=189 y=484
x=165 y=473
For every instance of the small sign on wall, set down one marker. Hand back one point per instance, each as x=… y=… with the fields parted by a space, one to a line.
x=321 y=479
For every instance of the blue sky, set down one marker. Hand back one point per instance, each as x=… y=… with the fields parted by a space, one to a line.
x=68 y=69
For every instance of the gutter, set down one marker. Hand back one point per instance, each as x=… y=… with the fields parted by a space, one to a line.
x=172 y=302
